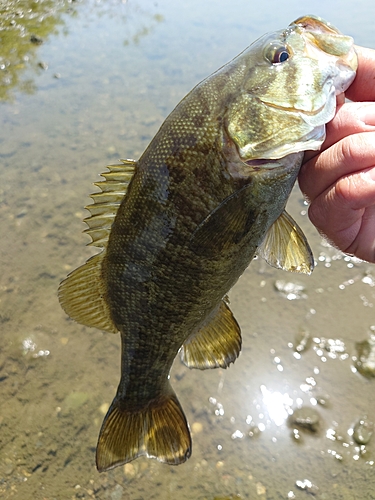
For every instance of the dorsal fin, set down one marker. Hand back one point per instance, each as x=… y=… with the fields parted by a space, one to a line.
x=216 y=344
x=82 y=293
x=82 y=296
x=106 y=203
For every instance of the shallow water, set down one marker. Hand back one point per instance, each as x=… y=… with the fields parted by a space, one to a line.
x=96 y=90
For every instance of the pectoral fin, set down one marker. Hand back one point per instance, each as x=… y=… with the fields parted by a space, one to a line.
x=216 y=344
x=225 y=226
x=285 y=246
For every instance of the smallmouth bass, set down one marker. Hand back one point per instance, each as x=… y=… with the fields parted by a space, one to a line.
x=178 y=227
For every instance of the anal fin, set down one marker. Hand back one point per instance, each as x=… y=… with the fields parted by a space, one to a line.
x=160 y=430
x=216 y=344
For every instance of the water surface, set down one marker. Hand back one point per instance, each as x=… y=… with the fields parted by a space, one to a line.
x=94 y=86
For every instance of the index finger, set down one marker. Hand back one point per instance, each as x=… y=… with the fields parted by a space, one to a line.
x=363 y=87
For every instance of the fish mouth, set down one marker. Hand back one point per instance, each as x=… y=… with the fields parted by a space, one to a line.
x=322 y=36
x=313 y=133
x=327 y=37
x=284 y=164
x=314 y=117
x=328 y=46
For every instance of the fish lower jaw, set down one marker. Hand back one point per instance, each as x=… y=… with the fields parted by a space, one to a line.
x=313 y=140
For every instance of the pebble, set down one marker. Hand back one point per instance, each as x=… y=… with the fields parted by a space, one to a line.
x=129 y=471
x=261 y=489
x=297 y=436
x=75 y=400
x=36 y=39
x=254 y=431
x=303 y=341
x=305 y=417
x=362 y=431
x=104 y=408
x=323 y=400
x=196 y=427
x=308 y=486
x=9 y=469
x=365 y=362
x=117 y=492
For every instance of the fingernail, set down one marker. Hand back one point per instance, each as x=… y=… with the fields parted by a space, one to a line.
x=366 y=113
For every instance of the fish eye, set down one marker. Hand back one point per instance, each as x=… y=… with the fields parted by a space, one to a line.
x=276 y=53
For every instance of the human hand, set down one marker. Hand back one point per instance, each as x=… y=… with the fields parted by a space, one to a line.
x=339 y=180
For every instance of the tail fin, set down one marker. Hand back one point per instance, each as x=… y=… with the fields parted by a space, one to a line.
x=160 y=430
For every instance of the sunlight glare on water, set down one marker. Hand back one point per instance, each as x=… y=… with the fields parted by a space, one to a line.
x=278 y=405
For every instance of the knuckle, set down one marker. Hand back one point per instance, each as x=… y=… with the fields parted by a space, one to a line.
x=355 y=150
x=318 y=213
x=344 y=192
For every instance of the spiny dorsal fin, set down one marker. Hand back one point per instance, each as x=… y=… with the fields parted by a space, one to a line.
x=159 y=430
x=285 y=246
x=106 y=203
x=82 y=293
x=216 y=344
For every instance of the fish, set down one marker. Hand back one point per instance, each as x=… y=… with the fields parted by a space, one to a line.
x=178 y=227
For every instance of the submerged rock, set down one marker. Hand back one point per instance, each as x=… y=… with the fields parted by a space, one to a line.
x=37 y=40
x=308 y=486
x=306 y=418
x=365 y=361
x=303 y=341
x=362 y=431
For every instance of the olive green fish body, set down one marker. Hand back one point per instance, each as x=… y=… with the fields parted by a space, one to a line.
x=157 y=261
x=179 y=227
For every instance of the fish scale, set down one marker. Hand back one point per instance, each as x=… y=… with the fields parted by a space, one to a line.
x=177 y=228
